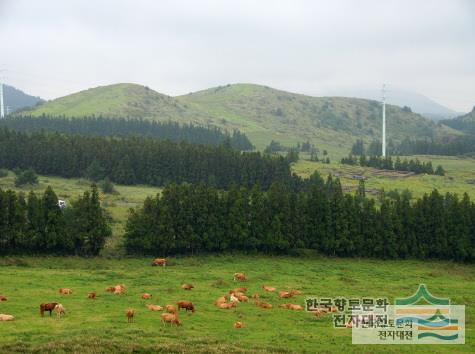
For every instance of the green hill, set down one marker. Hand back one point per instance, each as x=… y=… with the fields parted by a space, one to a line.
x=263 y=113
x=119 y=100
x=465 y=123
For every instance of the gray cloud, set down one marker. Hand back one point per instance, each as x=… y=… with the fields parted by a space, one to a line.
x=52 y=48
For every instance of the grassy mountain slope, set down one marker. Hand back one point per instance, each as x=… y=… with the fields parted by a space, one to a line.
x=119 y=100
x=261 y=112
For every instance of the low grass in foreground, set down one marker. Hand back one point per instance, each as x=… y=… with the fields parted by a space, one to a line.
x=100 y=326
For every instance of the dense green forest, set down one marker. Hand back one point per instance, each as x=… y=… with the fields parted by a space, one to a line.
x=387 y=163
x=103 y=126
x=37 y=225
x=186 y=219
x=453 y=146
x=139 y=160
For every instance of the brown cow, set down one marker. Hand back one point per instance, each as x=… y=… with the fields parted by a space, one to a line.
x=119 y=289
x=4 y=317
x=237 y=290
x=155 y=307
x=284 y=294
x=170 y=309
x=285 y=306
x=65 y=291
x=239 y=276
x=3 y=298
x=146 y=296
x=221 y=300
x=92 y=295
x=225 y=306
x=187 y=286
x=295 y=307
x=264 y=305
x=268 y=288
x=159 y=262
x=187 y=305
x=255 y=296
x=238 y=324
x=110 y=289
x=130 y=315
x=242 y=298
x=47 y=307
x=60 y=310
x=170 y=318
x=295 y=292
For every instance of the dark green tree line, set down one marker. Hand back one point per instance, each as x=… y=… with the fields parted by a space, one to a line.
x=37 y=225
x=188 y=218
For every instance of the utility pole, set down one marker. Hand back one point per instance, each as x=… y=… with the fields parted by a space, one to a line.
x=383 y=91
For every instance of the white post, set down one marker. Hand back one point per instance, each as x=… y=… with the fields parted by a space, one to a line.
x=384 y=123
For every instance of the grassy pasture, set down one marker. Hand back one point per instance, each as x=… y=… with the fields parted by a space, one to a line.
x=459 y=177
x=97 y=326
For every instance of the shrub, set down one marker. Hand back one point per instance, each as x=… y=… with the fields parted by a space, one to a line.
x=26 y=177
x=3 y=172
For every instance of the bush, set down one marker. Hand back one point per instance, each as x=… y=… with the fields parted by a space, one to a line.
x=107 y=186
x=3 y=172
x=26 y=177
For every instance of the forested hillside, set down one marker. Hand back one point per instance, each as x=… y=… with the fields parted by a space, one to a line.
x=465 y=123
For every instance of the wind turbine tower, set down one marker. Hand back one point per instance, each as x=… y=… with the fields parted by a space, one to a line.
x=383 y=91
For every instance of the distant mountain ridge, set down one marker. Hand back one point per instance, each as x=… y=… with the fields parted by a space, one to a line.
x=15 y=99
x=417 y=102
x=263 y=113
x=464 y=123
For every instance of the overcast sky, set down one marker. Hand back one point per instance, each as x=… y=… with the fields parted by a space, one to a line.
x=52 y=48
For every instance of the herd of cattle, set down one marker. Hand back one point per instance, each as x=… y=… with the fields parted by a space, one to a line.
x=170 y=312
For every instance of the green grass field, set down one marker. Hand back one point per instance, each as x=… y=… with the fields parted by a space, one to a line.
x=100 y=326
x=459 y=178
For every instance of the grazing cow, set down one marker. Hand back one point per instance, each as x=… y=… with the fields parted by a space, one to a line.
x=60 y=310
x=187 y=286
x=284 y=294
x=225 y=306
x=155 y=308
x=47 y=307
x=295 y=307
x=285 y=306
x=333 y=309
x=264 y=305
x=3 y=298
x=130 y=315
x=239 y=276
x=238 y=324
x=221 y=300
x=187 y=305
x=242 y=298
x=4 y=317
x=268 y=288
x=170 y=318
x=255 y=296
x=119 y=289
x=238 y=290
x=233 y=298
x=159 y=262
x=146 y=296
x=92 y=295
x=65 y=291
x=295 y=292
x=110 y=289
x=170 y=309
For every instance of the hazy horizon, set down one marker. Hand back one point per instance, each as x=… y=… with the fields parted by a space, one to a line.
x=54 y=48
